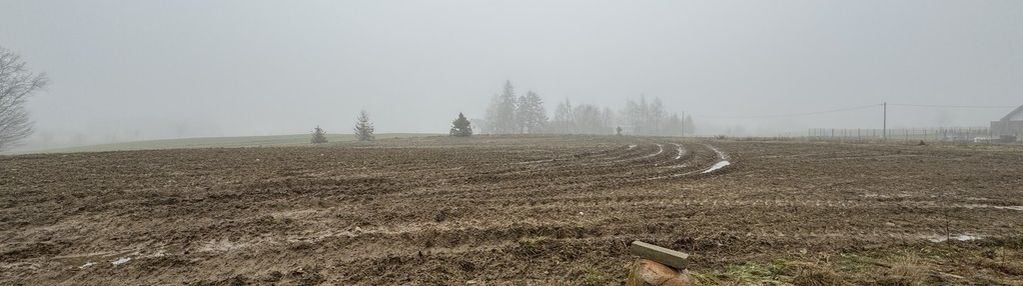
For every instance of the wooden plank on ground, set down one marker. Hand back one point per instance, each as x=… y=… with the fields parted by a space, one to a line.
x=659 y=254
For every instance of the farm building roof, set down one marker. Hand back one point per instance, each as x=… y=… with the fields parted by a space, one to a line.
x=1016 y=113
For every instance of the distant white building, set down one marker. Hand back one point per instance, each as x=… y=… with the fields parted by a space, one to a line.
x=1010 y=125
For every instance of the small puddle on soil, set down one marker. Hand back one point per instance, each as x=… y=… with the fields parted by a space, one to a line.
x=121 y=260
x=681 y=151
x=717 y=166
x=720 y=164
x=959 y=237
x=87 y=264
x=1015 y=208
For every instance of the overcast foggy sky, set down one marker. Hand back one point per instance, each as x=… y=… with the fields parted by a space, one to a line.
x=227 y=68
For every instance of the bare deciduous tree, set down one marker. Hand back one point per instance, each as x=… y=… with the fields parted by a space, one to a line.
x=17 y=83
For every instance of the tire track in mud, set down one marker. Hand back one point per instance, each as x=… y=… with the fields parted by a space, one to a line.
x=606 y=166
x=564 y=169
x=579 y=156
x=640 y=165
x=633 y=163
x=692 y=166
x=416 y=240
x=681 y=156
x=547 y=164
x=453 y=236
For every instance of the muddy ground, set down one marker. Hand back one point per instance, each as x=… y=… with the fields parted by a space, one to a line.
x=514 y=210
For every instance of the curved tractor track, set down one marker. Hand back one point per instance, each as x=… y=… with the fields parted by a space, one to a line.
x=639 y=161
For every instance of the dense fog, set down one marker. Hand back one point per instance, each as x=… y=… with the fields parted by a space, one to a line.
x=135 y=70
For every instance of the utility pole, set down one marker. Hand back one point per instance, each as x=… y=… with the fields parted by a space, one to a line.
x=683 y=124
x=884 y=122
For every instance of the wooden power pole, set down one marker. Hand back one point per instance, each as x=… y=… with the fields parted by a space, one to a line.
x=884 y=122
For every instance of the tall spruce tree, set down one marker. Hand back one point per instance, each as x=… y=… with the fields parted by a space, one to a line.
x=319 y=136
x=501 y=114
x=461 y=126
x=673 y=126
x=689 y=125
x=530 y=115
x=364 y=128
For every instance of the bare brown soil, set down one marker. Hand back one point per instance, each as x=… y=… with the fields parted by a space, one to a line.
x=513 y=210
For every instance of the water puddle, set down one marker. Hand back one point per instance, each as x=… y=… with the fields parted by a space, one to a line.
x=681 y=151
x=121 y=260
x=717 y=166
x=720 y=164
x=1014 y=208
x=959 y=237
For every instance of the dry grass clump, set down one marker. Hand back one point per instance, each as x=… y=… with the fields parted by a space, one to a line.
x=904 y=271
x=812 y=274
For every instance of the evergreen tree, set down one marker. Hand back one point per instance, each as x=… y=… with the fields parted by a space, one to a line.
x=363 y=128
x=690 y=126
x=461 y=127
x=673 y=126
x=646 y=118
x=319 y=136
x=530 y=115
x=656 y=118
x=501 y=114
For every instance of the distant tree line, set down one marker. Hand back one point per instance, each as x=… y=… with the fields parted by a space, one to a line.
x=511 y=114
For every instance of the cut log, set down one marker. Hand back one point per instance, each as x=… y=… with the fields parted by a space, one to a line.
x=659 y=254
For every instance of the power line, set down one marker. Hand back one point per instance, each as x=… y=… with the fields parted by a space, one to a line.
x=797 y=114
x=856 y=108
x=953 y=106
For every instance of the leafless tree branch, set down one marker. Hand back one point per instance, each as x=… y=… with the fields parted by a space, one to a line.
x=17 y=83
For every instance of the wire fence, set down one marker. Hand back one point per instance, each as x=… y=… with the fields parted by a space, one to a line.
x=952 y=134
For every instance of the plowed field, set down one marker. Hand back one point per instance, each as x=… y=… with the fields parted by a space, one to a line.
x=513 y=210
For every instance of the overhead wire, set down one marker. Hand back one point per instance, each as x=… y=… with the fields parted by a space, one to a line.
x=855 y=108
x=796 y=114
x=952 y=106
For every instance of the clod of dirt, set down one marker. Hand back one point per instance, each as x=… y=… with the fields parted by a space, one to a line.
x=273 y=276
